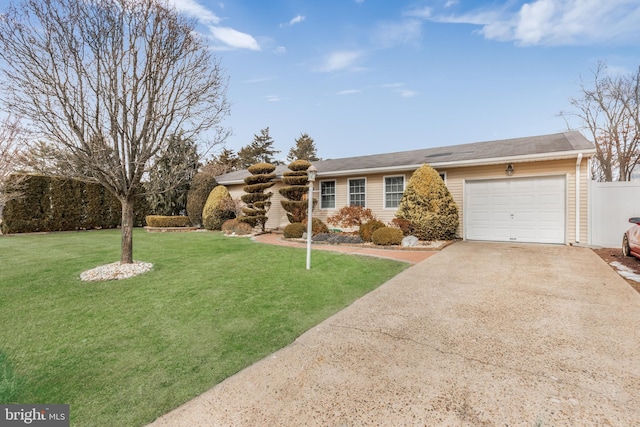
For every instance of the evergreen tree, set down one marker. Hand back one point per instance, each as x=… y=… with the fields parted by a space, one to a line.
x=226 y=161
x=305 y=149
x=169 y=181
x=259 y=151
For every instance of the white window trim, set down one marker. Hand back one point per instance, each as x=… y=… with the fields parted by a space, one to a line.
x=384 y=189
x=349 y=189
x=335 y=194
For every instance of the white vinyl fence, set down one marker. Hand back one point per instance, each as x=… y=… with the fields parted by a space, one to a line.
x=610 y=207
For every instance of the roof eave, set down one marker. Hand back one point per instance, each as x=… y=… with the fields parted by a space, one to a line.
x=560 y=155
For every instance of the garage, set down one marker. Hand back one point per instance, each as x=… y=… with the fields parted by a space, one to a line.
x=529 y=209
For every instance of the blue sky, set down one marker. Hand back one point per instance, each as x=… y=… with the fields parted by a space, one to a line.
x=373 y=76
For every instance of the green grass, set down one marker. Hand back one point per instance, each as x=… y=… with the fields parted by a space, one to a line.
x=125 y=352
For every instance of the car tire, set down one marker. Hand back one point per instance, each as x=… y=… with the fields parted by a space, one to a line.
x=626 y=250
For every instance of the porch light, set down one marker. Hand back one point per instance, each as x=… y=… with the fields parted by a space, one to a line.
x=311 y=177
x=509 y=169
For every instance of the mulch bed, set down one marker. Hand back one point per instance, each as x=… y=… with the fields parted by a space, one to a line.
x=610 y=255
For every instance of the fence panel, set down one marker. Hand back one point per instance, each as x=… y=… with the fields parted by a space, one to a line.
x=610 y=207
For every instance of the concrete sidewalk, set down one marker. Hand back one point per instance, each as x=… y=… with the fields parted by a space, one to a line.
x=479 y=334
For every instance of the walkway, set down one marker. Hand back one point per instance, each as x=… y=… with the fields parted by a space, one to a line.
x=400 y=254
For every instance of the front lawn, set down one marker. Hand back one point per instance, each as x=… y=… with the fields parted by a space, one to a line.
x=122 y=353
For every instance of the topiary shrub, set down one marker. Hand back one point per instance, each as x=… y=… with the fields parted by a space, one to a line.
x=387 y=236
x=428 y=206
x=366 y=230
x=256 y=200
x=233 y=226
x=294 y=230
x=296 y=191
x=167 y=221
x=201 y=186
x=218 y=208
x=351 y=216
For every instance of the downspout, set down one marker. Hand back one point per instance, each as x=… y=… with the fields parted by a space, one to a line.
x=578 y=161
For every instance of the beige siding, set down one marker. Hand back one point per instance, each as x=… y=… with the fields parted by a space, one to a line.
x=455 y=179
x=457 y=176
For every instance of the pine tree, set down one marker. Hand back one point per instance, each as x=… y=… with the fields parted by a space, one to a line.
x=305 y=149
x=259 y=151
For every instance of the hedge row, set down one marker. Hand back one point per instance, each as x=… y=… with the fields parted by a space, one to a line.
x=60 y=204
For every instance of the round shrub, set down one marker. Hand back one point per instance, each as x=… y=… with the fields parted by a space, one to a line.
x=167 y=221
x=261 y=169
x=233 y=226
x=218 y=208
x=387 y=236
x=294 y=231
x=366 y=230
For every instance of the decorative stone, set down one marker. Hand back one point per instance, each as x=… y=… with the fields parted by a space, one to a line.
x=410 y=241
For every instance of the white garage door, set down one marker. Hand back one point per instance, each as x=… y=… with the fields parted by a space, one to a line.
x=516 y=210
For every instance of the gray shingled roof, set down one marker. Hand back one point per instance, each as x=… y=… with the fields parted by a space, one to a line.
x=540 y=146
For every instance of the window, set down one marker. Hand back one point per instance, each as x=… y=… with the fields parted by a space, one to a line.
x=327 y=194
x=357 y=192
x=393 y=189
x=443 y=175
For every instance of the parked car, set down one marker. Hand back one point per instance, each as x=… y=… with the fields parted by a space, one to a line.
x=631 y=239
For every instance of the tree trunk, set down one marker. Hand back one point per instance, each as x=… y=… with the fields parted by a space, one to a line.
x=126 y=255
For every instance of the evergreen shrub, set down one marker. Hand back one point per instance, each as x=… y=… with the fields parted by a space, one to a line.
x=167 y=221
x=428 y=206
x=387 y=236
x=218 y=208
x=366 y=230
x=201 y=186
x=294 y=230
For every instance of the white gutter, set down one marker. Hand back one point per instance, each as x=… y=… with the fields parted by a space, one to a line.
x=578 y=161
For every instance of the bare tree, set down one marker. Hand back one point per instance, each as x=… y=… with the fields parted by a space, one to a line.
x=608 y=110
x=11 y=146
x=107 y=82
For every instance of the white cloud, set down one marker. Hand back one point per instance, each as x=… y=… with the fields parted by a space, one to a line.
x=553 y=22
x=274 y=98
x=341 y=60
x=195 y=10
x=280 y=50
x=298 y=19
x=424 y=13
x=389 y=34
x=349 y=92
x=406 y=93
x=233 y=39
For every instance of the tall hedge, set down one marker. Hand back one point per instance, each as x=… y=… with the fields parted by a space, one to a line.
x=201 y=186
x=256 y=200
x=61 y=204
x=296 y=190
x=428 y=206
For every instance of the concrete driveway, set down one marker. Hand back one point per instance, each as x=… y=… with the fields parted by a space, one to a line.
x=480 y=334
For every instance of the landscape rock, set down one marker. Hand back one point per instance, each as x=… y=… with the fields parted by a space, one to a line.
x=410 y=241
